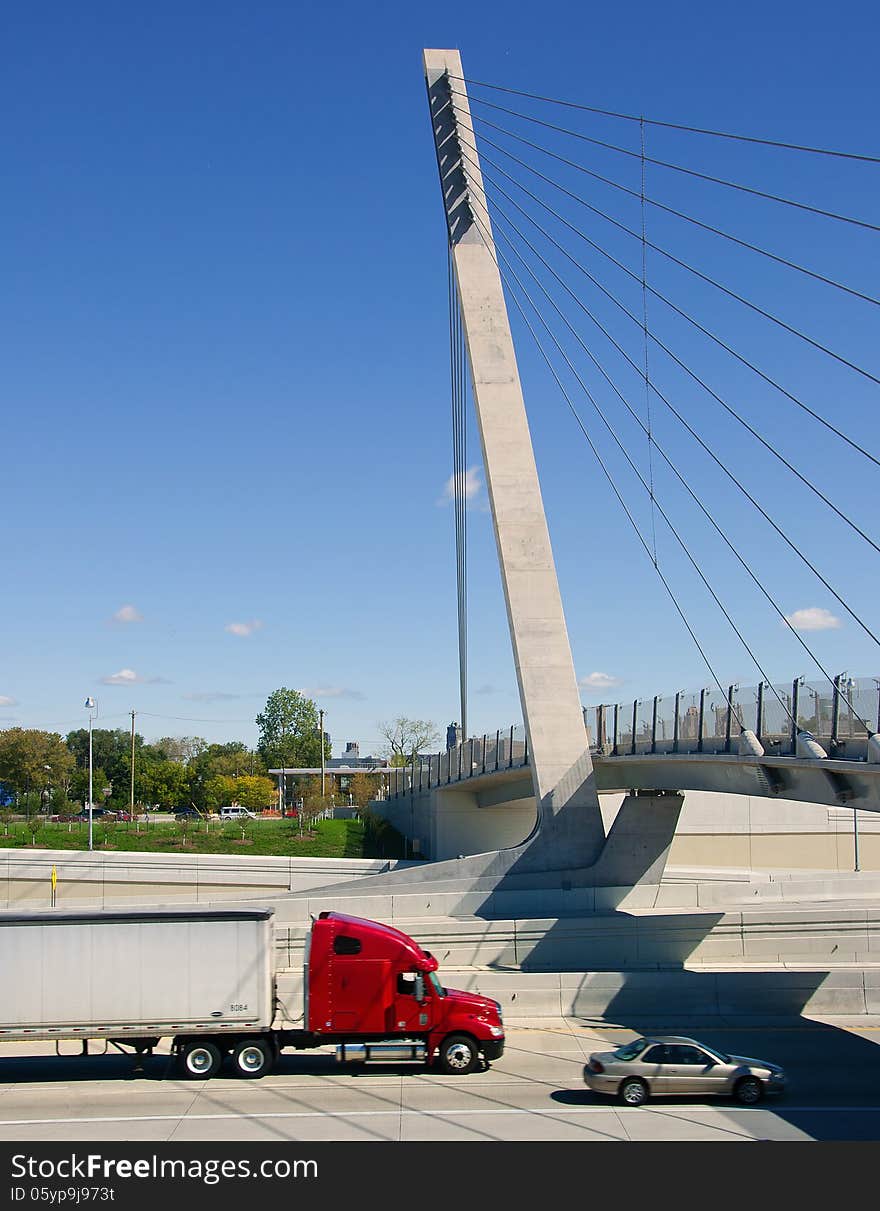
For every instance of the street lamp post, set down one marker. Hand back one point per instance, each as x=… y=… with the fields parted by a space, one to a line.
x=91 y=705
x=322 y=754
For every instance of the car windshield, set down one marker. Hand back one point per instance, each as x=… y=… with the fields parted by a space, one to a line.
x=629 y=1051
x=719 y=1055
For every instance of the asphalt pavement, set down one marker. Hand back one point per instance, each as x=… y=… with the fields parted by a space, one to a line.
x=534 y=1092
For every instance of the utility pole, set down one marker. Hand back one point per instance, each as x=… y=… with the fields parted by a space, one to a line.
x=132 y=764
x=321 y=727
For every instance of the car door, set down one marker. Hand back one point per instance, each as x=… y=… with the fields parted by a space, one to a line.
x=692 y=1070
x=652 y=1067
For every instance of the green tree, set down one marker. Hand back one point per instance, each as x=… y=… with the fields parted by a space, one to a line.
x=406 y=738
x=165 y=782
x=289 y=734
x=24 y=755
x=111 y=750
x=233 y=759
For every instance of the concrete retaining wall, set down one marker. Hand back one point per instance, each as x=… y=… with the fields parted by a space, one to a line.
x=99 y=878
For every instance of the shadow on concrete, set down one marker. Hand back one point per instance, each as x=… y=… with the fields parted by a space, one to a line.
x=51 y=1069
x=833 y=1072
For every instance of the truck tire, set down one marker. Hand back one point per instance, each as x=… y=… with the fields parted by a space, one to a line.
x=253 y=1058
x=200 y=1060
x=458 y=1055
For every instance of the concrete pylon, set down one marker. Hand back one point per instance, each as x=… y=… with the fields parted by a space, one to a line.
x=569 y=829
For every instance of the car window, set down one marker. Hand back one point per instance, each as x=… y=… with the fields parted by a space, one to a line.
x=656 y=1055
x=682 y=1054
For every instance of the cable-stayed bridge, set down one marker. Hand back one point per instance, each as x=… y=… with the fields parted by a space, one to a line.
x=529 y=189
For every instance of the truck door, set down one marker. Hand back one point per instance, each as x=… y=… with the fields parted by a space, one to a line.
x=412 y=1004
x=360 y=995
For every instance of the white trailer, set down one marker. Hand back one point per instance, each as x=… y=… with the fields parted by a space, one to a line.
x=133 y=977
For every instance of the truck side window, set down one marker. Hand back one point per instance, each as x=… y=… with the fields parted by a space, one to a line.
x=406 y=984
x=344 y=945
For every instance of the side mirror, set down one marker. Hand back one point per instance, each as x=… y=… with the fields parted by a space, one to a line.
x=420 y=988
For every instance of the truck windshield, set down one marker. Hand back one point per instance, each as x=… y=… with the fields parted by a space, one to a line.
x=435 y=984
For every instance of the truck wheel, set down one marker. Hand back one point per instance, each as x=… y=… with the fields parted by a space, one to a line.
x=458 y=1055
x=200 y=1061
x=253 y=1058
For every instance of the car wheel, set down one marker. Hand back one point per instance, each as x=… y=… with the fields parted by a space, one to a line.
x=458 y=1055
x=200 y=1060
x=748 y=1091
x=253 y=1058
x=633 y=1092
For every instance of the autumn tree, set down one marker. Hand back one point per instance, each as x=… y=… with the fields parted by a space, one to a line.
x=363 y=788
x=255 y=793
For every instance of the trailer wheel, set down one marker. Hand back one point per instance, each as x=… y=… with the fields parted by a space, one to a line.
x=200 y=1060
x=458 y=1055
x=254 y=1058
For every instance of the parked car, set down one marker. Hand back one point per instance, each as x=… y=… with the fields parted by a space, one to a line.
x=237 y=813
x=674 y=1066
x=187 y=813
x=98 y=813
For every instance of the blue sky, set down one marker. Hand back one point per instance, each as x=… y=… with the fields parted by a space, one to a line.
x=225 y=371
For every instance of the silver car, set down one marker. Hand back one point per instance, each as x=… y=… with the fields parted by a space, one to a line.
x=672 y=1066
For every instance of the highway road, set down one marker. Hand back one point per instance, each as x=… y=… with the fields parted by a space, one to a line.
x=535 y=1092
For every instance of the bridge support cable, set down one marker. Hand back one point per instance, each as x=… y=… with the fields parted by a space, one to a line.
x=691 y=172
x=458 y=371
x=658 y=205
x=731 y=411
x=698 y=130
x=649 y=487
x=685 y=315
x=648 y=428
x=681 y=419
x=611 y=482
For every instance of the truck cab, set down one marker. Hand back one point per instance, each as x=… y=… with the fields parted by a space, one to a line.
x=369 y=984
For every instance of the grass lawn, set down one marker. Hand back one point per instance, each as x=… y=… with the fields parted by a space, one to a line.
x=329 y=839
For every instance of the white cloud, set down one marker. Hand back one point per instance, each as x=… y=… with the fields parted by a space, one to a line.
x=814 y=618
x=599 y=681
x=130 y=677
x=243 y=629
x=472 y=485
x=5 y=700
x=332 y=691
x=128 y=613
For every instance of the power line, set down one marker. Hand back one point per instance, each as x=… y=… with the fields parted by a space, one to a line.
x=698 y=130
x=691 y=172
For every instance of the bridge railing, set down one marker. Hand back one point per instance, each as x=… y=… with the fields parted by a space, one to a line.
x=841 y=714
x=504 y=749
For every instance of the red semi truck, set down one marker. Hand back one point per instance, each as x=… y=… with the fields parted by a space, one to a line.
x=207 y=979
